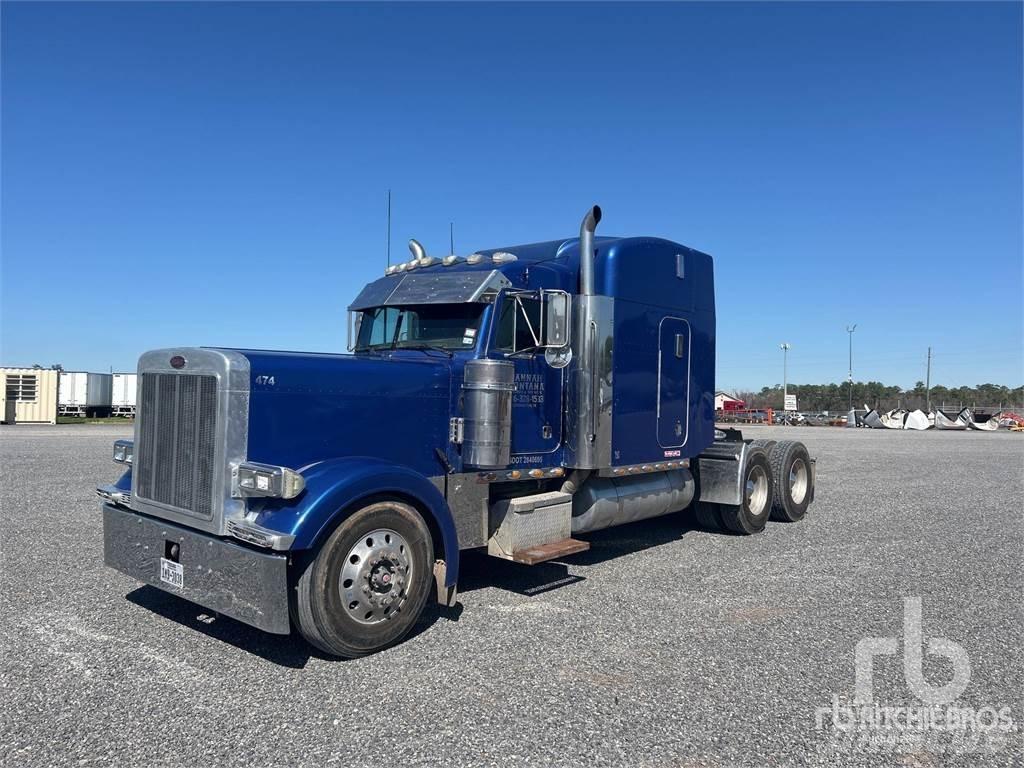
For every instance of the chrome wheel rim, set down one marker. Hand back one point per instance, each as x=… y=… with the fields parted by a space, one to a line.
x=756 y=491
x=798 y=481
x=375 y=577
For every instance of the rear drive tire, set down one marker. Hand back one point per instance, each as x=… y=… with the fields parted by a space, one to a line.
x=756 y=484
x=368 y=584
x=794 y=481
x=764 y=445
x=707 y=516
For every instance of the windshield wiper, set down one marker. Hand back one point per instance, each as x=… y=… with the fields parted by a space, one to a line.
x=425 y=348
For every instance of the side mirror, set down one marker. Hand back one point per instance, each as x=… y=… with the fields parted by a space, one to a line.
x=533 y=321
x=557 y=307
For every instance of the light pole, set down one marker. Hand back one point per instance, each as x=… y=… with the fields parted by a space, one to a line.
x=784 y=346
x=850 y=329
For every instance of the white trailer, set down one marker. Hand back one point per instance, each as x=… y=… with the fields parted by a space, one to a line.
x=123 y=399
x=84 y=394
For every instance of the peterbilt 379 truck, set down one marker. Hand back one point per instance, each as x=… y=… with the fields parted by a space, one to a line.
x=509 y=401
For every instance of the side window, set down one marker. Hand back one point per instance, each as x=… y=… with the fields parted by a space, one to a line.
x=378 y=326
x=515 y=321
x=505 y=337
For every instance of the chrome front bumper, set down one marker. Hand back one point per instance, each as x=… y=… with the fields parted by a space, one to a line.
x=223 y=577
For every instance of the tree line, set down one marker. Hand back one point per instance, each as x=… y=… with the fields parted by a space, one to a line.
x=835 y=398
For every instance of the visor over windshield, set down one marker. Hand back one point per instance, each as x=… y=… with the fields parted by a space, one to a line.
x=432 y=287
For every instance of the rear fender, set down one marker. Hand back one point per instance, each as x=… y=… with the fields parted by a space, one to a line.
x=333 y=491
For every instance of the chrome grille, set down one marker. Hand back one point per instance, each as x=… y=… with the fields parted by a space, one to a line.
x=175 y=454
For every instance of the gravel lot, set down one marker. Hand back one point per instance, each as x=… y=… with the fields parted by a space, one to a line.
x=663 y=645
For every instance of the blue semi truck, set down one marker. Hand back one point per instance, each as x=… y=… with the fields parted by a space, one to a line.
x=509 y=401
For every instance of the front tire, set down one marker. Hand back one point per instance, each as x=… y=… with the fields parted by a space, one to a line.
x=369 y=582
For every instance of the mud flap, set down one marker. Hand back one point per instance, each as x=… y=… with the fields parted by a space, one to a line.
x=446 y=596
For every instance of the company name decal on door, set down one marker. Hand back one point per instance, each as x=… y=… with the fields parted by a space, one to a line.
x=529 y=389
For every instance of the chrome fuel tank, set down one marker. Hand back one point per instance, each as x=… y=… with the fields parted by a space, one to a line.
x=606 y=501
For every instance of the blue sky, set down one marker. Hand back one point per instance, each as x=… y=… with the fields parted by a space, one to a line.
x=216 y=174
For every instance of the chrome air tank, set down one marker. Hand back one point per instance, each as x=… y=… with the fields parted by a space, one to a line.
x=606 y=501
x=487 y=388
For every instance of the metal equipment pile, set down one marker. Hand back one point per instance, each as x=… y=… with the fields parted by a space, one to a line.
x=919 y=420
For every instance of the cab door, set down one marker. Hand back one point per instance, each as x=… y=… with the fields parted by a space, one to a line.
x=673 y=382
x=537 y=400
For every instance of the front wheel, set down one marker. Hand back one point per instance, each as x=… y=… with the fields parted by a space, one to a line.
x=368 y=584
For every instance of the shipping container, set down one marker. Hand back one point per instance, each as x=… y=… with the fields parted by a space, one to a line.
x=84 y=394
x=29 y=395
x=123 y=400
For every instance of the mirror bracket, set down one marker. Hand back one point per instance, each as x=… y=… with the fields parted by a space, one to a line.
x=551 y=334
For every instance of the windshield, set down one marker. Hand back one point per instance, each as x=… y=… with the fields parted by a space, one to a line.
x=448 y=326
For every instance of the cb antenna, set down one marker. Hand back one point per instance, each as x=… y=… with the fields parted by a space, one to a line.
x=451 y=236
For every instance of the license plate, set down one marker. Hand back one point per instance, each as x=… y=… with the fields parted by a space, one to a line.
x=172 y=573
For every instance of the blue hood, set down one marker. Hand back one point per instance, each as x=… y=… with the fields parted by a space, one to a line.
x=305 y=408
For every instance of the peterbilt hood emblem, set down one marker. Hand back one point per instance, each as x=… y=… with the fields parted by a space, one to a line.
x=177 y=361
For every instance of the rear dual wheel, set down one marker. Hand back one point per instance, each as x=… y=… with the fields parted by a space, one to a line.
x=751 y=515
x=368 y=584
x=794 y=481
x=792 y=489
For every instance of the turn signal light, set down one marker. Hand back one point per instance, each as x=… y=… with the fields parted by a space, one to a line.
x=123 y=451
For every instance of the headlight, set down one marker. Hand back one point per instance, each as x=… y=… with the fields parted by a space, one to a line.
x=123 y=450
x=253 y=479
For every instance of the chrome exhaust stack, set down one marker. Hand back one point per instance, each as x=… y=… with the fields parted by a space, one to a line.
x=587 y=227
x=589 y=417
x=418 y=251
